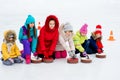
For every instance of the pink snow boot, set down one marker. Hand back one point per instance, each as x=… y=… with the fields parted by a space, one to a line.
x=28 y=59
x=57 y=54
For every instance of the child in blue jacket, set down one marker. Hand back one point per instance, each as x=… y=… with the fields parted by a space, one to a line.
x=28 y=37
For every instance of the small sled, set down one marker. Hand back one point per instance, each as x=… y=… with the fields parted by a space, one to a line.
x=84 y=60
x=72 y=60
x=102 y=55
x=36 y=60
x=47 y=60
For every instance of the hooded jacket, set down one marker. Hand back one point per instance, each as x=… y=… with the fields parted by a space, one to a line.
x=95 y=43
x=61 y=45
x=79 y=40
x=48 y=38
x=9 y=49
x=23 y=36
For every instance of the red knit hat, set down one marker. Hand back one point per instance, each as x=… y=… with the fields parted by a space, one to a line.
x=98 y=29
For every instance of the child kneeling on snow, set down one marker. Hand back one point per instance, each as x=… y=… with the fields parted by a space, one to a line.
x=48 y=38
x=95 y=44
x=65 y=35
x=28 y=37
x=10 y=51
x=81 y=42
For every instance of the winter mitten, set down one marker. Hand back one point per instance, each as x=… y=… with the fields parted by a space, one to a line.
x=73 y=52
x=30 y=39
x=45 y=54
x=21 y=51
x=10 y=59
x=70 y=53
x=50 y=53
x=84 y=53
x=35 y=54
x=74 y=56
x=99 y=50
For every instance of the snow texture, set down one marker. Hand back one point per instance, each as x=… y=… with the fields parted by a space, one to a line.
x=77 y=12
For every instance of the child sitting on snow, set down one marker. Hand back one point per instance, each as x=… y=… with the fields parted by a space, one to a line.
x=10 y=51
x=95 y=44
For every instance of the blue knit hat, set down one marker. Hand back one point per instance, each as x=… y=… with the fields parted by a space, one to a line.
x=30 y=19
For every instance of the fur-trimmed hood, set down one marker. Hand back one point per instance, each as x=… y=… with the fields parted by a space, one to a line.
x=9 y=33
x=94 y=36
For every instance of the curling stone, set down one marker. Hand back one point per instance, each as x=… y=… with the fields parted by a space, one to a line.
x=86 y=60
x=36 y=60
x=72 y=60
x=100 y=55
x=48 y=60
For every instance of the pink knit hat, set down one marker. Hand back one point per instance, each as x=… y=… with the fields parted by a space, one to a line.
x=83 y=29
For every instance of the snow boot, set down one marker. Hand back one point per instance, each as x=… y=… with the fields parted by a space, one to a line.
x=28 y=59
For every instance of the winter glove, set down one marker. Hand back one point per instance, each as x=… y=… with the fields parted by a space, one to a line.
x=99 y=50
x=84 y=53
x=21 y=51
x=30 y=39
x=74 y=56
x=35 y=54
x=50 y=53
x=70 y=53
x=11 y=60
x=45 y=54
x=73 y=53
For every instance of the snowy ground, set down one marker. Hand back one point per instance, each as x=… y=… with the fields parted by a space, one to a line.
x=105 y=12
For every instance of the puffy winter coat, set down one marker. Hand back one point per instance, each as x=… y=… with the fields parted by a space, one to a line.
x=79 y=40
x=23 y=31
x=95 y=43
x=61 y=45
x=48 y=38
x=9 y=49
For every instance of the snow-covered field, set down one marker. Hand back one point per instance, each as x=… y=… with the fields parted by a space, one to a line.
x=105 y=12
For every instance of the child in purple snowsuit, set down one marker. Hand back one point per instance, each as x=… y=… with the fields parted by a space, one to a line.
x=28 y=37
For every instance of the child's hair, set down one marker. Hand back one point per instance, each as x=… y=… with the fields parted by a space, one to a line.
x=69 y=31
x=52 y=19
x=34 y=31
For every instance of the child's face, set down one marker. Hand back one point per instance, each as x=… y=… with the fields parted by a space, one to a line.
x=51 y=24
x=11 y=37
x=83 y=34
x=31 y=25
x=98 y=35
x=68 y=33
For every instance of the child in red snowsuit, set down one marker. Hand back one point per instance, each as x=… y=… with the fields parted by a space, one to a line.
x=48 y=38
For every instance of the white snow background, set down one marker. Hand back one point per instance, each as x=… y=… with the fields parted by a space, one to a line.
x=13 y=14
